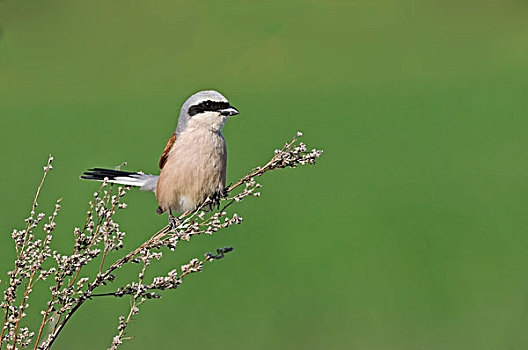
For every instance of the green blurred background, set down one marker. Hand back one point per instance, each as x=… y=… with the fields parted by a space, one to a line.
x=410 y=233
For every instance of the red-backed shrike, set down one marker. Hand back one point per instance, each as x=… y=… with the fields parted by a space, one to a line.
x=193 y=164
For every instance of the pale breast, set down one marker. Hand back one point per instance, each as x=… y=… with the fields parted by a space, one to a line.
x=195 y=169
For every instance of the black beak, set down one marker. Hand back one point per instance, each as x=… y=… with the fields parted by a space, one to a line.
x=229 y=111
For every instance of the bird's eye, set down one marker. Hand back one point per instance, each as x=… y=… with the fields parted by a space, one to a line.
x=208 y=104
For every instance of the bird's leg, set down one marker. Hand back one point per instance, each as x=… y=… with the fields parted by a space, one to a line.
x=174 y=222
x=215 y=201
x=217 y=196
x=225 y=191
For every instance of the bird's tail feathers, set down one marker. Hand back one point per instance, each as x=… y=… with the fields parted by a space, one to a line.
x=144 y=181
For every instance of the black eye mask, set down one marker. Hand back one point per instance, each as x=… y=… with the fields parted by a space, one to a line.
x=207 y=106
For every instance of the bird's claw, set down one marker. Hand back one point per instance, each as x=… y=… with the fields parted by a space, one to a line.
x=174 y=222
x=216 y=197
x=215 y=201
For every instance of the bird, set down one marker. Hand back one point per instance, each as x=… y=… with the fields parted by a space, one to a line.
x=193 y=163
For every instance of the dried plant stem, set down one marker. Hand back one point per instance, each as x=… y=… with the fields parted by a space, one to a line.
x=136 y=300
x=99 y=279
x=24 y=300
x=158 y=236
x=94 y=240
x=19 y=252
x=43 y=323
x=3 y=328
x=34 y=206
x=98 y=238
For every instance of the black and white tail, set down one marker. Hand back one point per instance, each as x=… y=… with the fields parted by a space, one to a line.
x=145 y=182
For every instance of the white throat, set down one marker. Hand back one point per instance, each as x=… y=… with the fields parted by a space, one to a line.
x=212 y=121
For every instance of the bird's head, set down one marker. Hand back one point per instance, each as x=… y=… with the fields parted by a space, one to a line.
x=207 y=109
